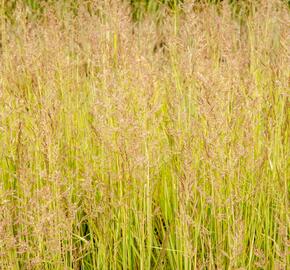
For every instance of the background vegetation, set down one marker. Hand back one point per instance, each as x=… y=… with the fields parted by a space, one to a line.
x=144 y=135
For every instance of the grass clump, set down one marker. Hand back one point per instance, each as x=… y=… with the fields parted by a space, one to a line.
x=150 y=145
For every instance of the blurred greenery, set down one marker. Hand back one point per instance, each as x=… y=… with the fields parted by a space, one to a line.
x=139 y=7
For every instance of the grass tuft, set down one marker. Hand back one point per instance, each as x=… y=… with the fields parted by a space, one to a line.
x=157 y=144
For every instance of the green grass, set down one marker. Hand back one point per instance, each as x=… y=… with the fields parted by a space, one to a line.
x=144 y=146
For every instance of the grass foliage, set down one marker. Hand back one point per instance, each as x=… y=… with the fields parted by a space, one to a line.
x=162 y=144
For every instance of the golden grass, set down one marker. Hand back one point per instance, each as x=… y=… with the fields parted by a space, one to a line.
x=145 y=145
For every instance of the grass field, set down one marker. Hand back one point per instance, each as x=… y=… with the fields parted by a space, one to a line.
x=161 y=143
